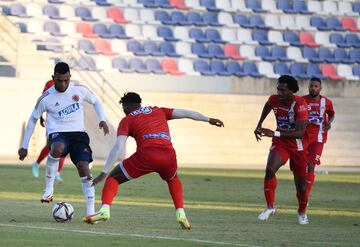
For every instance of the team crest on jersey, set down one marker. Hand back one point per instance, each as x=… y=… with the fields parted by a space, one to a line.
x=69 y=109
x=142 y=110
x=75 y=98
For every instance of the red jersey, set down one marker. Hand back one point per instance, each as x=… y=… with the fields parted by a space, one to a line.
x=318 y=112
x=148 y=125
x=48 y=85
x=286 y=117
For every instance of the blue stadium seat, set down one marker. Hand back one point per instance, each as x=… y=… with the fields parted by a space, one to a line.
x=235 y=69
x=166 y=33
x=200 y=50
x=319 y=23
x=261 y=37
x=136 y=48
x=53 y=28
x=169 y=49
x=103 y=31
x=312 y=55
x=286 y=6
x=264 y=53
x=87 y=46
x=280 y=54
x=164 y=4
x=313 y=70
x=120 y=64
x=137 y=65
x=118 y=31
x=356 y=70
x=326 y=55
x=355 y=55
x=209 y=4
x=53 y=47
x=53 y=12
x=86 y=63
x=250 y=69
x=356 y=7
x=258 y=22
x=151 y=48
x=339 y=40
x=214 y=36
x=333 y=23
x=17 y=9
x=255 y=5
x=242 y=20
x=343 y=56
x=281 y=69
x=292 y=38
x=211 y=19
x=298 y=70
x=215 y=51
x=84 y=13
x=163 y=17
x=153 y=65
x=103 y=3
x=194 y=18
x=301 y=7
x=149 y=3
x=203 y=68
x=198 y=35
x=178 y=18
x=218 y=68
x=353 y=40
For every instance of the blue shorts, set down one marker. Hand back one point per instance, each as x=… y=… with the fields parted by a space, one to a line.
x=76 y=143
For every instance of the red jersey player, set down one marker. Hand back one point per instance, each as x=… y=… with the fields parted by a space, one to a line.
x=155 y=153
x=287 y=143
x=45 y=151
x=321 y=115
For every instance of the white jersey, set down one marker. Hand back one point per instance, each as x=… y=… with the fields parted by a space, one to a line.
x=64 y=111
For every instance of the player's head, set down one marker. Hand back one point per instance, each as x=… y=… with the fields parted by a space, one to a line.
x=314 y=87
x=130 y=102
x=286 y=87
x=61 y=76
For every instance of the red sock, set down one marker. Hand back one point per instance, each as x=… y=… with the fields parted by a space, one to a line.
x=61 y=164
x=309 y=183
x=175 y=189
x=110 y=190
x=43 y=154
x=269 y=191
x=302 y=201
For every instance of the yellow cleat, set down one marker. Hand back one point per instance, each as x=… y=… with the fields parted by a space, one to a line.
x=102 y=215
x=181 y=218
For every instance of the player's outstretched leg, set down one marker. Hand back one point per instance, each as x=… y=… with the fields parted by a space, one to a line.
x=269 y=192
x=302 y=199
x=176 y=192
x=50 y=171
x=35 y=166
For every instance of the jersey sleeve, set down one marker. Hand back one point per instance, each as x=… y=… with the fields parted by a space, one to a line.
x=89 y=96
x=168 y=112
x=271 y=100
x=329 y=108
x=39 y=107
x=302 y=111
x=123 y=128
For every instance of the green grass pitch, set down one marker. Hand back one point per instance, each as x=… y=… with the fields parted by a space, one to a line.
x=221 y=204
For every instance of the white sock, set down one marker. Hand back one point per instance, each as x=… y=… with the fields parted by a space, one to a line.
x=89 y=194
x=105 y=206
x=52 y=165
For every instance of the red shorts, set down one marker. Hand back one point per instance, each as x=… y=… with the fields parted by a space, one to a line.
x=314 y=152
x=151 y=159
x=298 y=161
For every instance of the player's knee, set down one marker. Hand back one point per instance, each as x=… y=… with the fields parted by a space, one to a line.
x=270 y=172
x=57 y=149
x=311 y=168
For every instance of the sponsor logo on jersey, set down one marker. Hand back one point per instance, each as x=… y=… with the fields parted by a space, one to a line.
x=142 y=110
x=69 y=109
x=54 y=135
x=161 y=135
x=57 y=104
x=286 y=126
x=315 y=120
x=75 y=98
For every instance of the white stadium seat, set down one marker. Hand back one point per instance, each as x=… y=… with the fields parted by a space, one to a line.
x=345 y=70
x=226 y=19
x=132 y=15
x=99 y=13
x=288 y=22
x=294 y=53
x=273 y=21
x=323 y=39
x=270 y=5
x=244 y=37
x=345 y=8
x=267 y=69
x=249 y=52
x=330 y=7
x=149 y=32
x=187 y=67
x=229 y=35
x=194 y=4
x=184 y=49
x=277 y=38
x=239 y=5
x=303 y=22
x=316 y=7
x=182 y=33
x=147 y=16
x=224 y=5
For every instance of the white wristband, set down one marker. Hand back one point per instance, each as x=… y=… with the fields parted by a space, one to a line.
x=277 y=133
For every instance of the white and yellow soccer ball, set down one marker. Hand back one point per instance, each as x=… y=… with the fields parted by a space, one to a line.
x=63 y=212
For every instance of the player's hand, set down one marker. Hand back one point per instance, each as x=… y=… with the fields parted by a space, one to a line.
x=42 y=121
x=22 y=153
x=103 y=125
x=216 y=122
x=266 y=132
x=257 y=133
x=99 y=178
x=327 y=126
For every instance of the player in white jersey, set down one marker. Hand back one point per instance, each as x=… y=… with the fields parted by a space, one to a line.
x=63 y=104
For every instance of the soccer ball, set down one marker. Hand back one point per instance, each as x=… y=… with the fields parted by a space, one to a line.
x=63 y=212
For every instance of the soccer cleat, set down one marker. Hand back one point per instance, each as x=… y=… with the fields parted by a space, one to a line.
x=46 y=198
x=266 y=213
x=183 y=221
x=303 y=219
x=35 y=169
x=103 y=214
x=58 y=178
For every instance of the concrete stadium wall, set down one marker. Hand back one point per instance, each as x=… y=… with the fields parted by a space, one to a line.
x=196 y=143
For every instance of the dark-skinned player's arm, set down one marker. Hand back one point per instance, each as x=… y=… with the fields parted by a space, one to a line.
x=181 y=113
x=331 y=116
x=30 y=126
x=298 y=133
x=265 y=112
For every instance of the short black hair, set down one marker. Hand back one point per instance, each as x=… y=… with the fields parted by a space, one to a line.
x=291 y=82
x=316 y=79
x=61 y=68
x=130 y=97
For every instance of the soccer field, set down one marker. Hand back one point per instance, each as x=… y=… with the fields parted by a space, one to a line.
x=222 y=205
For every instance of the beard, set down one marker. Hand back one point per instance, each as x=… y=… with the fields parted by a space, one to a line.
x=313 y=94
